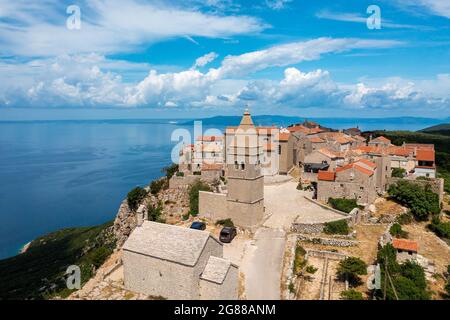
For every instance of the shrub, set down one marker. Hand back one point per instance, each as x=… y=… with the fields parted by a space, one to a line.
x=396 y=231
x=388 y=254
x=351 y=294
x=398 y=172
x=98 y=256
x=291 y=287
x=194 y=190
x=441 y=229
x=447 y=288
x=225 y=222
x=421 y=200
x=350 y=269
x=405 y=218
x=180 y=174
x=299 y=186
x=337 y=227
x=197 y=173
x=170 y=170
x=299 y=259
x=406 y=290
x=415 y=273
x=157 y=185
x=155 y=212
x=223 y=179
x=341 y=204
x=311 y=269
x=135 y=197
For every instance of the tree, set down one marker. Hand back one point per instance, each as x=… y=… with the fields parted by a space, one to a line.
x=170 y=170
x=350 y=269
x=398 y=172
x=388 y=254
x=415 y=273
x=351 y=294
x=397 y=231
x=135 y=197
x=421 y=200
x=194 y=190
x=225 y=222
x=157 y=185
x=155 y=212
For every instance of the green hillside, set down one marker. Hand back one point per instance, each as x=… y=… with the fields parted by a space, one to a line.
x=442 y=129
x=40 y=272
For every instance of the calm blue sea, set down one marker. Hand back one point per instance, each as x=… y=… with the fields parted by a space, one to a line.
x=59 y=174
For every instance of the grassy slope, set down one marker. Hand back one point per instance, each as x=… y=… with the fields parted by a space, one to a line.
x=39 y=273
x=441 y=143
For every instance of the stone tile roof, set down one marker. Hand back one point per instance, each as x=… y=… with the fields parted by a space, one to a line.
x=216 y=270
x=168 y=242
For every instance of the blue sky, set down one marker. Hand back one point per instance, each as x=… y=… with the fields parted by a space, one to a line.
x=137 y=58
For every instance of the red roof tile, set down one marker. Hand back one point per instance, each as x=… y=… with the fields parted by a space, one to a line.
x=284 y=136
x=403 y=244
x=326 y=175
x=425 y=155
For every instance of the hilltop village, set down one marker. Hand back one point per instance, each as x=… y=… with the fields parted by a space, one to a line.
x=319 y=214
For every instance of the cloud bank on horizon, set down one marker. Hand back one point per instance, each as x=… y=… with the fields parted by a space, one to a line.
x=224 y=54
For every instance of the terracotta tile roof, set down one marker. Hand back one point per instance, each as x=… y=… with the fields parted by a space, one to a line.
x=316 y=140
x=326 y=175
x=403 y=244
x=367 y=163
x=380 y=139
x=209 y=138
x=357 y=167
x=360 y=138
x=315 y=130
x=329 y=153
x=298 y=128
x=419 y=146
x=398 y=151
x=284 y=136
x=425 y=155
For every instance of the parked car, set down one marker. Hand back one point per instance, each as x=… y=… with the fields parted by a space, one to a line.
x=227 y=234
x=198 y=225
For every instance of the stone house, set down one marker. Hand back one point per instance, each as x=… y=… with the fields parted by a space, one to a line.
x=355 y=180
x=379 y=142
x=406 y=249
x=174 y=262
x=207 y=150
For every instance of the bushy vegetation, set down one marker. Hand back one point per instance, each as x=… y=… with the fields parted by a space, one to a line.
x=180 y=174
x=397 y=231
x=155 y=212
x=135 y=197
x=337 y=227
x=350 y=269
x=311 y=269
x=440 y=228
x=225 y=222
x=408 y=279
x=157 y=185
x=299 y=259
x=421 y=200
x=405 y=218
x=170 y=170
x=398 y=172
x=194 y=190
x=351 y=294
x=341 y=204
x=39 y=273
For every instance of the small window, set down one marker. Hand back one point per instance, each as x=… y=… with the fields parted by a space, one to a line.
x=279 y=149
x=236 y=165
x=242 y=166
x=361 y=188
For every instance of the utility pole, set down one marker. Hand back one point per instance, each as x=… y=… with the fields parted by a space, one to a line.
x=385 y=276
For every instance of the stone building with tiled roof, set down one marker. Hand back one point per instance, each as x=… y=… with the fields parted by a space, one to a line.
x=173 y=262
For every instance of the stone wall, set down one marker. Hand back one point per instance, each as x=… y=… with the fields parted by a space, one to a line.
x=335 y=242
x=212 y=206
x=324 y=254
x=227 y=290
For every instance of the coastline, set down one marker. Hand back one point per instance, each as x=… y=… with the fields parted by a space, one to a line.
x=25 y=247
